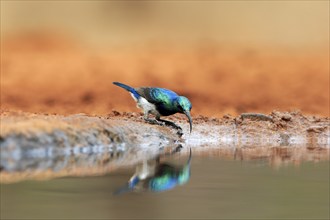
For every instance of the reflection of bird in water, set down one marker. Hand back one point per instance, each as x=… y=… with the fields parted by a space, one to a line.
x=156 y=177
x=159 y=102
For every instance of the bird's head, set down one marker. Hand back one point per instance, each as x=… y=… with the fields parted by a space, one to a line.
x=184 y=107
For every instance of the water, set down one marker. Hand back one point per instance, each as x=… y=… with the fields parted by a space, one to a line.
x=219 y=187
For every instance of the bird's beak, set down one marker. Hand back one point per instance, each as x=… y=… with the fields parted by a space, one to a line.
x=187 y=113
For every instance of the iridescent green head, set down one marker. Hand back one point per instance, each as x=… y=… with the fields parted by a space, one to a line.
x=184 y=107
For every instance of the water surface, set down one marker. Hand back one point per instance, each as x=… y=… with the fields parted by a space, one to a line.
x=218 y=188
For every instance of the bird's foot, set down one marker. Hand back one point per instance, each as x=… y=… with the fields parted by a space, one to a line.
x=152 y=121
x=162 y=122
x=171 y=124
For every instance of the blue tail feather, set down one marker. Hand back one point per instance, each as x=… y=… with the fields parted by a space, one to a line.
x=128 y=88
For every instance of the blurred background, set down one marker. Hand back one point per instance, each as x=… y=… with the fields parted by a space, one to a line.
x=225 y=56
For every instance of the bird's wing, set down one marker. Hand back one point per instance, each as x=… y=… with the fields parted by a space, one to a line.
x=156 y=95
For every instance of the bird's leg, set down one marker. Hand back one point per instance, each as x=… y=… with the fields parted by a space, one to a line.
x=171 y=124
x=162 y=122
x=150 y=121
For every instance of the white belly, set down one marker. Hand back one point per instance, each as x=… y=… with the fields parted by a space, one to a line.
x=147 y=107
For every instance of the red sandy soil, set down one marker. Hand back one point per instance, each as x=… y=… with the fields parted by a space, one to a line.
x=280 y=138
x=49 y=74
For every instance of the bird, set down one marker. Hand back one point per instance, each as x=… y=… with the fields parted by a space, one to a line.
x=159 y=102
x=157 y=177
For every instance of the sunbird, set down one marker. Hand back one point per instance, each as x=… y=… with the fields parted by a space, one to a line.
x=157 y=177
x=159 y=102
